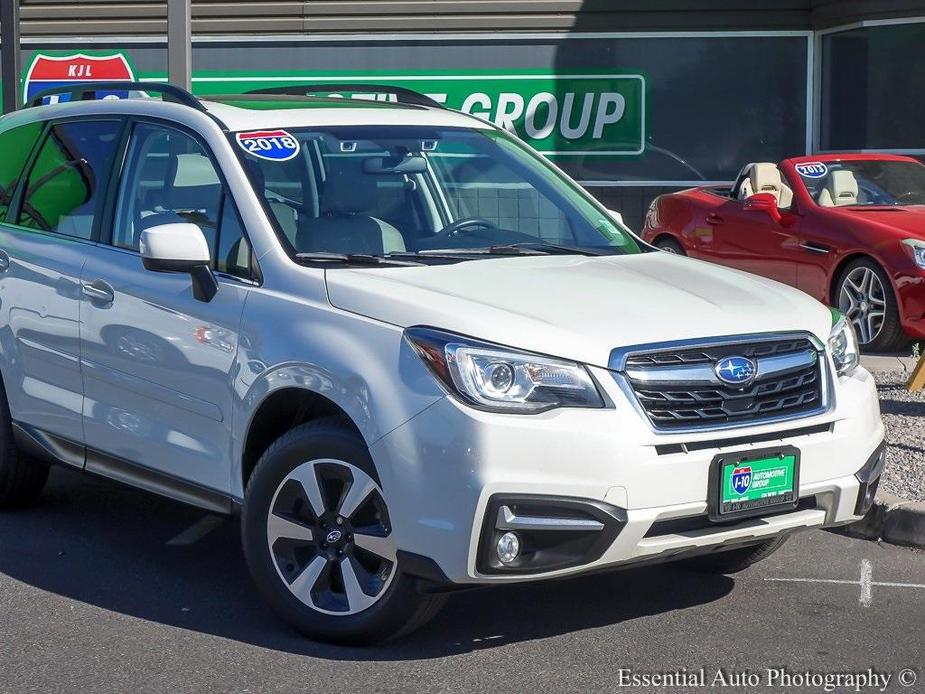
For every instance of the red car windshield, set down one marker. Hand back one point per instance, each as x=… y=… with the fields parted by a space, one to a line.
x=864 y=182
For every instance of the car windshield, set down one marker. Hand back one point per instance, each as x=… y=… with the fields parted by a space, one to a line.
x=864 y=183
x=419 y=192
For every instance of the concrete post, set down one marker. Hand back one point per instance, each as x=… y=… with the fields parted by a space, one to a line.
x=179 y=43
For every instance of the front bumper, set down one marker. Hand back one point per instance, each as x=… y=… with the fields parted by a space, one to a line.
x=909 y=285
x=442 y=470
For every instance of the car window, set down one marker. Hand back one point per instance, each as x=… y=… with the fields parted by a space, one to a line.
x=864 y=182
x=168 y=178
x=16 y=145
x=398 y=189
x=478 y=185
x=233 y=254
x=65 y=187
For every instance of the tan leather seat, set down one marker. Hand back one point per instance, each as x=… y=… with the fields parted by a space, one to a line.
x=345 y=225
x=841 y=188
x=764 y=177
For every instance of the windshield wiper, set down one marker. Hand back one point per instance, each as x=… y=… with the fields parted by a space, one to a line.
x=542 y=247
x=523 y=248
x=351 y=259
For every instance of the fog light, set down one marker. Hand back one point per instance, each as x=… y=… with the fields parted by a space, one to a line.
x=508 y=547
x=866 y=497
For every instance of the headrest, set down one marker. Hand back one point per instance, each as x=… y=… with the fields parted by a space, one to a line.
x=196 y=185
x=843 y=187
x=194 y=170
x=349 y=191
x=765 y=178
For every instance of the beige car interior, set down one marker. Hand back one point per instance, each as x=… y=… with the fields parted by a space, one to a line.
x=345 y=224
x=765 y=177
x=841 y=188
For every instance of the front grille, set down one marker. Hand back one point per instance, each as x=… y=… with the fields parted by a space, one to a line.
x=713 y=353
x=677 y=388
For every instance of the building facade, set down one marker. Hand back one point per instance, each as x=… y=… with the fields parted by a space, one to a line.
x=631 y=98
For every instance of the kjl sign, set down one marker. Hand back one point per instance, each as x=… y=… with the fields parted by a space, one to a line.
x=47 y=71
x=570 y=114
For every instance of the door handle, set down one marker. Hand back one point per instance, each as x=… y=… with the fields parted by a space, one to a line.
x=4 y=261
x=815 y=248
x=713 y=219
x=99 y=290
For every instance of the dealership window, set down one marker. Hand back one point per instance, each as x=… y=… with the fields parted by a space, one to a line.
x=873 y=88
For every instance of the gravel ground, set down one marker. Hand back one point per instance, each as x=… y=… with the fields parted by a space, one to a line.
x=904 y=416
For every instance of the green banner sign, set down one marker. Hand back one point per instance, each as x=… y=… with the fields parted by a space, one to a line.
x=559 y=115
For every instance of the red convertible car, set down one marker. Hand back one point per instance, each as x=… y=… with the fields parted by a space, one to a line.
x=849 y=229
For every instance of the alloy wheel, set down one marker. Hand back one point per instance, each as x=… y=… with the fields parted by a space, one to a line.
x=330 y=537
x=862 y=299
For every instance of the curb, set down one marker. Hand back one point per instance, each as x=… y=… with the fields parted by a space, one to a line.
x=892 y=520
x=880 y=363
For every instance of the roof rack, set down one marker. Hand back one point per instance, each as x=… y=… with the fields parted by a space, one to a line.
x=404 y=95
x=88 y=92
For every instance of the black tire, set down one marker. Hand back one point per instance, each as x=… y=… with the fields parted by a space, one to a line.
x=734 y=560
x=669 y=245
x=891 y=337
x=400 y=608
x=22 y=479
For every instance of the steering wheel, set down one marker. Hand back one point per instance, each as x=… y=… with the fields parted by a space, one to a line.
x=907 y=194
x=460 y=225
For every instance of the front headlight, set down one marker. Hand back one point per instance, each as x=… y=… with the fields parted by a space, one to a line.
x=916 y=249
x=843 y=345
x=501 y=379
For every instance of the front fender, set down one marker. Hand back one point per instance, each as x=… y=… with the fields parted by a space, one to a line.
x=363 y=366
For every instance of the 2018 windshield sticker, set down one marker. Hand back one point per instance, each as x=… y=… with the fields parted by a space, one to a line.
x=813 y=169
x=272 y=145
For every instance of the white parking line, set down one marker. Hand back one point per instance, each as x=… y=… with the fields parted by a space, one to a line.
x=867 y=575
x=197 y=531
x=865 y=582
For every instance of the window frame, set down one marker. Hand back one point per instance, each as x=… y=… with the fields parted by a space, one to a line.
x=19 y=195
x=121 y=160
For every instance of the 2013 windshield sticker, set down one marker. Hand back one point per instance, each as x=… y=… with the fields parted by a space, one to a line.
x=813 y=169
x=272 y=145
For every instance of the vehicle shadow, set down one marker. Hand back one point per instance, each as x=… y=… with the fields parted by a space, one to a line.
x=108 y=546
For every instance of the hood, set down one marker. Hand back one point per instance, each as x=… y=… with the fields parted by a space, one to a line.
x=904 y=222
x=578 y=307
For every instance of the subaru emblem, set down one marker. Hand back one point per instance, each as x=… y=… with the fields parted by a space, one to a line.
x=333 y=537
x=736 y=371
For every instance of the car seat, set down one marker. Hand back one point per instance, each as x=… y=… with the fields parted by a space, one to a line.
x=345 y=225
x=841 y=188
x=764 y=177
x=192 y=193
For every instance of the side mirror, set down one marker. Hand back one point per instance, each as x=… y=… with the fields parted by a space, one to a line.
x=617 y=217
x=180 y=247
x=764 y=202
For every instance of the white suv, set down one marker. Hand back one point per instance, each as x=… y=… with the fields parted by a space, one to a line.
x=413 y=354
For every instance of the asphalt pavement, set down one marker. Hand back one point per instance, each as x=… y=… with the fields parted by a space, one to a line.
x=107 y=589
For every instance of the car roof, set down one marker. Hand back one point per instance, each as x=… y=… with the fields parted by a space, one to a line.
x=850 y=156
x=245 y=113
x=236 y=114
